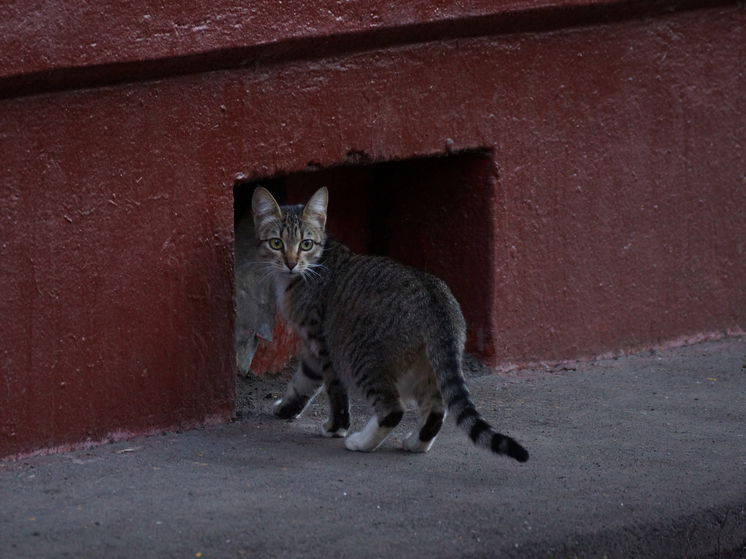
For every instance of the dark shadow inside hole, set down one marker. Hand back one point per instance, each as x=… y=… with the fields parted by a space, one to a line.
x=431 y=213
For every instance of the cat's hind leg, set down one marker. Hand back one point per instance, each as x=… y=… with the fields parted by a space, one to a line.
x=339 y=408
x=423 y=437
x=305 y=385
x=378 y=386
x=424 y=390
x=375 y=431
x=389 y=411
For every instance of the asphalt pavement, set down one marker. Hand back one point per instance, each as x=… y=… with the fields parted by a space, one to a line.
x=639 y=456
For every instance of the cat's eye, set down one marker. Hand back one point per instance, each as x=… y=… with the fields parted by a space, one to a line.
x=275 y=244
x=306 y=244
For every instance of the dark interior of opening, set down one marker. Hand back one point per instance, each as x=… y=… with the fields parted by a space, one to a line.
x=431 y=213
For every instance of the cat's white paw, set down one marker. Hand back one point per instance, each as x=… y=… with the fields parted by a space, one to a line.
x=369 y=438
x=337 y=433
x=276 y=410
x=414 y=444
x=357 y=442
x=276 y=406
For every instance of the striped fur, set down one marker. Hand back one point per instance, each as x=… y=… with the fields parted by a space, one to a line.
x=370 y=326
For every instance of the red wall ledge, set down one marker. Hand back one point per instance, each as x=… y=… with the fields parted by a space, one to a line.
x=586 y=160
x=65 y=45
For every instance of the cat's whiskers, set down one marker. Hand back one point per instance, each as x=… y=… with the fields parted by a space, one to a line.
x=310 y=269
x=267 y=270
x=308 y=275
x=312 y=273
x=262 y=263
x=271 y=274
x=316 y=268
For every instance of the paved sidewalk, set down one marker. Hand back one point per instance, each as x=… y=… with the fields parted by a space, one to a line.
x=641 y=456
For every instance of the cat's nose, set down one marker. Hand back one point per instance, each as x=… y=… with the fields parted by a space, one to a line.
x=290 y=264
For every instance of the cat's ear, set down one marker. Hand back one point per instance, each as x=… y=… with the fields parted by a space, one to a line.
x=315 y=210
x=264 y=206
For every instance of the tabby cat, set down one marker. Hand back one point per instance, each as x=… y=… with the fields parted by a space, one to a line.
x=370 y=325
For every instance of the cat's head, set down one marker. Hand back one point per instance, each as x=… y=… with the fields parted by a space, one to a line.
x=290 y=238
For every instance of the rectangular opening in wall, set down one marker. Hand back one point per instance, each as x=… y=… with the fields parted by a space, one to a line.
x=431 y=213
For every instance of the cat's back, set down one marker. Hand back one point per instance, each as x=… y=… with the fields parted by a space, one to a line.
x=377 y=280
x=381 y=300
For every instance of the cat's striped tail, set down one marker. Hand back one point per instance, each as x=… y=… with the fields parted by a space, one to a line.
x=445 y=352
x=473 y=424
x=456 y=396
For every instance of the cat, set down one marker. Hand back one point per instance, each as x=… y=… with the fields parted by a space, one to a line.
x=368 y=325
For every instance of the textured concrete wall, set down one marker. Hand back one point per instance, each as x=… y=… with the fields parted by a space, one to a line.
x=614 y=193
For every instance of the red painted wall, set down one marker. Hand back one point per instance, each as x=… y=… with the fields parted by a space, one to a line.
x=116 y=275
x=614 y=205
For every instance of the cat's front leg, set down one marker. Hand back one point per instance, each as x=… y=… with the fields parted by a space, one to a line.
x=305 y=385
x=339 y=404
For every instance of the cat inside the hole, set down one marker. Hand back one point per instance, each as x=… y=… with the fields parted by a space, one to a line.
x=369 y=326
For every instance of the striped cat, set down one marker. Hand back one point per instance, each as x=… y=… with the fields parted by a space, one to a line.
x=369 y=325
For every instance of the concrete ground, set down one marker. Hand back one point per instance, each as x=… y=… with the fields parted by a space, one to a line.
x=640 y=456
